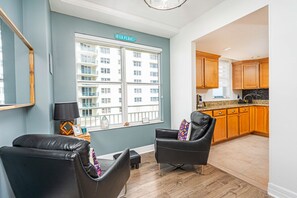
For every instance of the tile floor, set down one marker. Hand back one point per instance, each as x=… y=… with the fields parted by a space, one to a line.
x=245 y=157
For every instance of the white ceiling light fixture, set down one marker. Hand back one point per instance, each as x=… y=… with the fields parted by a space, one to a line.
x=164 y=4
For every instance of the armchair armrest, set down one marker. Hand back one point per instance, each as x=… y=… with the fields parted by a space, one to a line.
x=166 y=133
x=189 y=146
x=112 y=181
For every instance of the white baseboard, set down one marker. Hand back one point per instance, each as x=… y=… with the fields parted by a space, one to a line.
x=280 y=192
x=140 y=150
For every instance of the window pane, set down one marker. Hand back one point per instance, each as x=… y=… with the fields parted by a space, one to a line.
x=101 y=88
x=224 y=90
x=141 y=69
x=98 y=63
x=143 y=102
x=102 y=100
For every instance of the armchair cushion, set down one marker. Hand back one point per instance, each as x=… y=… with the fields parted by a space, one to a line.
x=183 y=130
x=200 y=124
x=94 y=162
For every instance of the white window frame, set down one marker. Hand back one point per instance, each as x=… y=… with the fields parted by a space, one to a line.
x=131 y=46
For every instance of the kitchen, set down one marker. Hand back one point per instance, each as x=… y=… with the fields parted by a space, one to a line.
x=232 y=85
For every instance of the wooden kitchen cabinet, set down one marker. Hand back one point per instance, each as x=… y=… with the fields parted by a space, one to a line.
x=237 y=76
x=208 y=113
x=199 y=72
x=262 y=119
x=264 y=73
x=211 y=73
x=251 y=75
x=220 y=131
x=207 y=70
x=232 y=123
x=244 y=120
x=252 y=118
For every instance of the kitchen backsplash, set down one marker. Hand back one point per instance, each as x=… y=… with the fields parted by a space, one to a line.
x=264 y=93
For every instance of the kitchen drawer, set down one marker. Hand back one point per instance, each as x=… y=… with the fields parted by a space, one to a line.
x=207 y=112
x=220 y=112
x=244 y=109
x=232 y=111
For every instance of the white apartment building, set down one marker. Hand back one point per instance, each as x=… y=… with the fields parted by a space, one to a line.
x=123 y=85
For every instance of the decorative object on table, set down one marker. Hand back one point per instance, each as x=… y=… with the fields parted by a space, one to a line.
x=77 y=130
x=66 y=112
x=164 y=4
x=135 y=158
x=84 y=130
x=126 y=123
x=104 y=123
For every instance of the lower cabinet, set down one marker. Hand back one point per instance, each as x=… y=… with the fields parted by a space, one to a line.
x=244 y=120
x=261 y=120
x=235 y=122
x=220 y=131
x=252 y=119
x=232 y=123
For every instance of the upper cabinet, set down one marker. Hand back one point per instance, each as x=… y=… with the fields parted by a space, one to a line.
x=207 y=70
x=237 y=72
x=250 y=74
x=264 y=73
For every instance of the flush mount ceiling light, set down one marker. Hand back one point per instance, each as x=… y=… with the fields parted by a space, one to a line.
x=164 y=4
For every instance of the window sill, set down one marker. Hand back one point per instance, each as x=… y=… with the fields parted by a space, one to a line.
x=136 y=124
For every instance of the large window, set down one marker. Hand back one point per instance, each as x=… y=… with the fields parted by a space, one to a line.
x=123 y=85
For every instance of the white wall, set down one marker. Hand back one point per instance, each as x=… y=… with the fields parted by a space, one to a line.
x=182 y=49
x=282 y=43
x=283 y=97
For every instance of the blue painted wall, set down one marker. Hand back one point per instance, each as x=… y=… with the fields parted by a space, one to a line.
x=36 y=23
x=63 y=30
x=32 y=17
x=13 y=122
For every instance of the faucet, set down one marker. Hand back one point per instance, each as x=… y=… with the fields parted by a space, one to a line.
x=250 y=95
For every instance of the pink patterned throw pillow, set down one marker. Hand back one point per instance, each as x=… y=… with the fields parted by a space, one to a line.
x=94 y=161
x=183 y=130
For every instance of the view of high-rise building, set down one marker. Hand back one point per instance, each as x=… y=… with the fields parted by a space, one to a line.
x=120 y=83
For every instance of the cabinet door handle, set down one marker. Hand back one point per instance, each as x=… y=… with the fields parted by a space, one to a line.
x=220 y=112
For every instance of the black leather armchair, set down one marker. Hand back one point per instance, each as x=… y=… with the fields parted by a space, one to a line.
x=58 y=166
x=168 y=149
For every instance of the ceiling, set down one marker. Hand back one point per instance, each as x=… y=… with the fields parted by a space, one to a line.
x=135 y=14
x=247 y=37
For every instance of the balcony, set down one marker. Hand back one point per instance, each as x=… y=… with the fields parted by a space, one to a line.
x=87 y=106
x=117 y=119
x=89 y=94
x=88 y=49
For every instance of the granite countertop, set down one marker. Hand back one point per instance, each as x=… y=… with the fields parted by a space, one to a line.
x=230 y=106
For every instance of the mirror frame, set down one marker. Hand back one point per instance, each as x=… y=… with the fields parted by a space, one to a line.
x=12 y=26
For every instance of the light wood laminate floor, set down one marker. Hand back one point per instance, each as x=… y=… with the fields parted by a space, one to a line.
x=214 y=183
x=245 y=157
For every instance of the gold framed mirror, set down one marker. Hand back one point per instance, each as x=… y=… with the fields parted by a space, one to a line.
x=16 y=67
